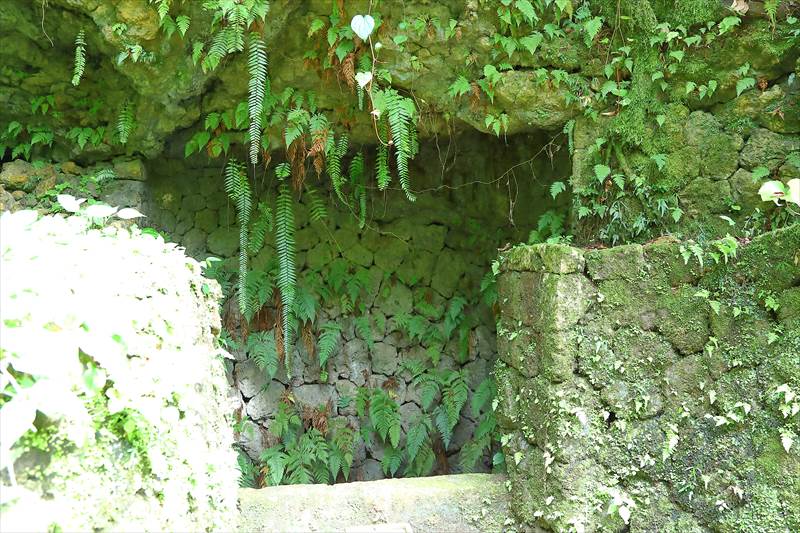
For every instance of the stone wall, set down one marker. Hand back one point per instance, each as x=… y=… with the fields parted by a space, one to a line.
x=416 y=257
x=122 y=421
x=708 y=162
x=640 y=393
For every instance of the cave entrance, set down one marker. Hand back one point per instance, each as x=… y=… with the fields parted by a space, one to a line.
x=398 y=304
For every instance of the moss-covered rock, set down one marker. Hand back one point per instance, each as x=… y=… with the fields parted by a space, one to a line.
x=664 y=413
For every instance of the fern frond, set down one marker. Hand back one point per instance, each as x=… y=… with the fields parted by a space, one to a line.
x=400 y=115
x=80 y=58
x=247 y=471
x=287 y=278
x=382 y=172
x=125 y=122
x=483 y=395
x=470 y=453
x=262 y=349
x=416 y=437
x=384 y=415
x=328 y=340
x=261 y=226
x=442 y=422
x=333 y=159
x=317 y=210
x=422 y=465
x=162 y=7
x=257 y=65
x=363 y=328
x=356 y=169
x=392 y=458
x=238 y=189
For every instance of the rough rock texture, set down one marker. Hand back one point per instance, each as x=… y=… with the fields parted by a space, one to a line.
x=629 y=395
x=464 y=503
x=148 y=446
x=415 y=258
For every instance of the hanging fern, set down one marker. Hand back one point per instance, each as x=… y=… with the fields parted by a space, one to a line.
x=238 y=189
x=382 y=172
x=80 y=58
x=399 y=112
x=257 y=65
x=125 y=122
x=287 y=278
x=333 y=159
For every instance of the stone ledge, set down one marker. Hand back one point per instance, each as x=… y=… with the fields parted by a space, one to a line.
x=464 y=503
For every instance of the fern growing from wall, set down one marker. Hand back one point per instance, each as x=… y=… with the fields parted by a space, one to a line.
x=125 y=122
x=80 y=58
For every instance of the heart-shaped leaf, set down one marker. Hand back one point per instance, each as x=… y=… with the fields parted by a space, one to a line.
x=129 y=213
x=362 y=25
x=69 y=202
x=773 y=190
x=100 y=211
x=363 y=78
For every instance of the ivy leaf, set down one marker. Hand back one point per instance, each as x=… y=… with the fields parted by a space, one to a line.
x=344 y=48
x=531 y=42
x=601 y=172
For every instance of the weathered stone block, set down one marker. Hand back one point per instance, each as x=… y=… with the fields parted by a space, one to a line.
x=619 y=262
x=223 y=242
x=265 y=403
x=384 y=358
x=555 y=258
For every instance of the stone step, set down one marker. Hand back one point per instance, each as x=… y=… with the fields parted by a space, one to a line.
x=463 y=503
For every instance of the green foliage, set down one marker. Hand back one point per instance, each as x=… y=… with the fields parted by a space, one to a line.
x=247 y=472
x=399 y=111
x=285 y=248
x=230 y=22
x=80 y=58
x=307 y=455
x=384 y=414
x=257 y=65
x=328 y=341
x=237 y=187
x=262 y=349
x=125 y=122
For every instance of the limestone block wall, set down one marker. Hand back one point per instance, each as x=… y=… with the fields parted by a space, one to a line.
x=416 y=259
x=641 y=393
x=707 y=162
